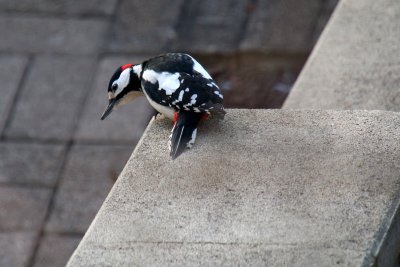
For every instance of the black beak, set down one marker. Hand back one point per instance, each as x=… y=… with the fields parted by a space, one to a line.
x=109 y=109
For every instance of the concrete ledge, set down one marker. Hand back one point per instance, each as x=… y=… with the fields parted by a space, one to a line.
x=263 y=187
x=355 y=64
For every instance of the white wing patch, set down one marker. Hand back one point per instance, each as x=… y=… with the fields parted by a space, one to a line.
x=168 y=82
x=219 y=94
x=193 y=99
x=199 y=68
x=212 y=84
x=180 y=98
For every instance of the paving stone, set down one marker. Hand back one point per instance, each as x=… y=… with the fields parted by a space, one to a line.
x=55 y=250
x=22 y=208
x=123 y=125
x=145 y=26
x=87 y=7
x=51 y=97
x=211 y=26
x=16 y=248
x=11 y=69
x=43 y=35
x=282 y=26
x=26 y=163
x=89 y=175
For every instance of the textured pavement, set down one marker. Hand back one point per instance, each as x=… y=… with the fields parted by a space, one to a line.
x=262 y=188
x=58 y=161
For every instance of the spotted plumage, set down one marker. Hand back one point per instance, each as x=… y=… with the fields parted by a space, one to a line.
x=177 y=86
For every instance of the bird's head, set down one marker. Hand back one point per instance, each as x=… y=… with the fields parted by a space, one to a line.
x=124 y=86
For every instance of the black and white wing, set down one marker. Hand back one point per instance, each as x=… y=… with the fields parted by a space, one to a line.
x=180 y=82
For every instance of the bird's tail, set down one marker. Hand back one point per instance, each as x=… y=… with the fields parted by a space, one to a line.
x=184 y=132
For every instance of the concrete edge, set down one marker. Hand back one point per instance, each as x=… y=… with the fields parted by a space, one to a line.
x=111 y=191
x=386 y=240
x=316 y=48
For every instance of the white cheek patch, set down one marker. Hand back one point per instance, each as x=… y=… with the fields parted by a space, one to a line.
x=123 y=80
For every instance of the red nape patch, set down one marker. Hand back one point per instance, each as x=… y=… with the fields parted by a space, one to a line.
x=175 y=117
x=205 y=116
x=124 y=67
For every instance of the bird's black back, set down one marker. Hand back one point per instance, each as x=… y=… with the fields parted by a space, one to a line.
x=171 y=62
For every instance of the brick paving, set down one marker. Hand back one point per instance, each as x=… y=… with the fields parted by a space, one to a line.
x=58 y=161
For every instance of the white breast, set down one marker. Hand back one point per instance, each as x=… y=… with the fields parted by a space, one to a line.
x=167 y=111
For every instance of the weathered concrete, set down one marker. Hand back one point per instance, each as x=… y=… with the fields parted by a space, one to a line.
x=11 y=71
x=44 y=163
x=263 y=187
x=207 y=26
x=87 y=7
x=16 y=248
x=55 y=250
x=28 y=211
x=38 y=34
x=50 y=96
x=355 y=63
x=88 y=177
x=145 y=27
x=279 y=26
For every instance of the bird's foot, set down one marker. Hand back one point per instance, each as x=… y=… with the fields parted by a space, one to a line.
x=158 y=116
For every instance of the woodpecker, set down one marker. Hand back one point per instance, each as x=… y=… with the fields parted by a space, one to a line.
x=177 y=86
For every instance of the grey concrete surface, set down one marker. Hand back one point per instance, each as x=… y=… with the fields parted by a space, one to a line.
x=70 y=7
x=313 y=188
x=274 y=17
x=28 y=208
x=88 y=177
x=11 y=71
x=16 y=248
x=54 y=249
x=355 y=68
x=44 y=163
x=44 y=35
x=145 y=27
x=51 y=98
x=124 y=125
x=207 y=26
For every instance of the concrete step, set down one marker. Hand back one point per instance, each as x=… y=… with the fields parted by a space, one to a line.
x=355 y=64
x=261 y=188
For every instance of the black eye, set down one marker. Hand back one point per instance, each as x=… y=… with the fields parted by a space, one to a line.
x=114 y=87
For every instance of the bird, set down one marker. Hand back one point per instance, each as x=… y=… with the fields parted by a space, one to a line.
x=177 y=86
